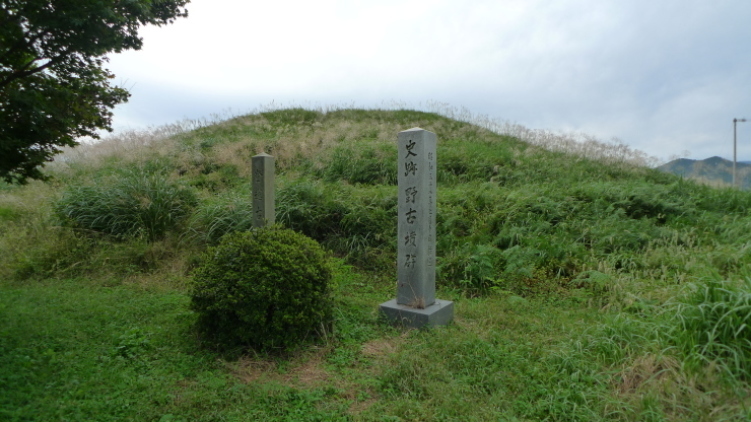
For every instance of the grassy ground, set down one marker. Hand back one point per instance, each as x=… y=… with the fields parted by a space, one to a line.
x=585 y=289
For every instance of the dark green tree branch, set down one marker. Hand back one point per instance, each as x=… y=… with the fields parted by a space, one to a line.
x=53 y=88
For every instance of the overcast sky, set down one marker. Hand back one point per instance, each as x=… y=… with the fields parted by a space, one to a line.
x=663 y=76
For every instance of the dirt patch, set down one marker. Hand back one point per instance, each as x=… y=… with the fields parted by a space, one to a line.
x=361 y=405
x=249 y=370
x=308 y=370
x=379 y=348
x=303 y=371
x=308 y=373
x=645 y=370
x=383 y=347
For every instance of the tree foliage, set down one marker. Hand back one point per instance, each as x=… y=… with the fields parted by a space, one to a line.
x=53 y=86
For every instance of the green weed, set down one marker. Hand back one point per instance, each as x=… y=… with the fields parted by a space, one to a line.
x=714 y=325
x=139 y=203
x=217 y=216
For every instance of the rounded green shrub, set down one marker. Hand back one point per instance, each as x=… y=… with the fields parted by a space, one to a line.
x=267 y=289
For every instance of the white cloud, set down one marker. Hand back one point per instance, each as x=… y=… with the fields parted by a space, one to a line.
x=662 y=76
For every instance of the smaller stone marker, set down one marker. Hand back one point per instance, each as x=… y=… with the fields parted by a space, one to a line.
x=263 y=190
x=415 y=304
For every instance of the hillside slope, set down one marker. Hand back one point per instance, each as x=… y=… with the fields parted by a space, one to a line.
x=584 y=289
x=510 y=214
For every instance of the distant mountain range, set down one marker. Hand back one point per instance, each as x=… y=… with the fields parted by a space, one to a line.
x=715 y=171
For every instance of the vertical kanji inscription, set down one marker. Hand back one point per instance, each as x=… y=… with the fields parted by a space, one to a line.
x=416 y=226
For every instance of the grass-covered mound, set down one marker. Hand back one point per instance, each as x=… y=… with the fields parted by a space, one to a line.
x=585 y=289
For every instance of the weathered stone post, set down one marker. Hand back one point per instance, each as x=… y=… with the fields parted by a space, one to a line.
x=263 y=190
x=415 y=304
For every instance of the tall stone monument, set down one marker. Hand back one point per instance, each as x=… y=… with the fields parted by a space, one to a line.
x=415 y=304
x=262 y=181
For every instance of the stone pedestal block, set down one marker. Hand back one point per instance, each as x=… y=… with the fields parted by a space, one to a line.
x=441 y=312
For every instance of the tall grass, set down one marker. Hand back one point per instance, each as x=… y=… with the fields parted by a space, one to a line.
x=215 y=217
x=713 y=325
x=139 y=203
x=574 y=144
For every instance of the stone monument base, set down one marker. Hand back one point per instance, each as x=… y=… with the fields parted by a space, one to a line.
x=439 y=313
